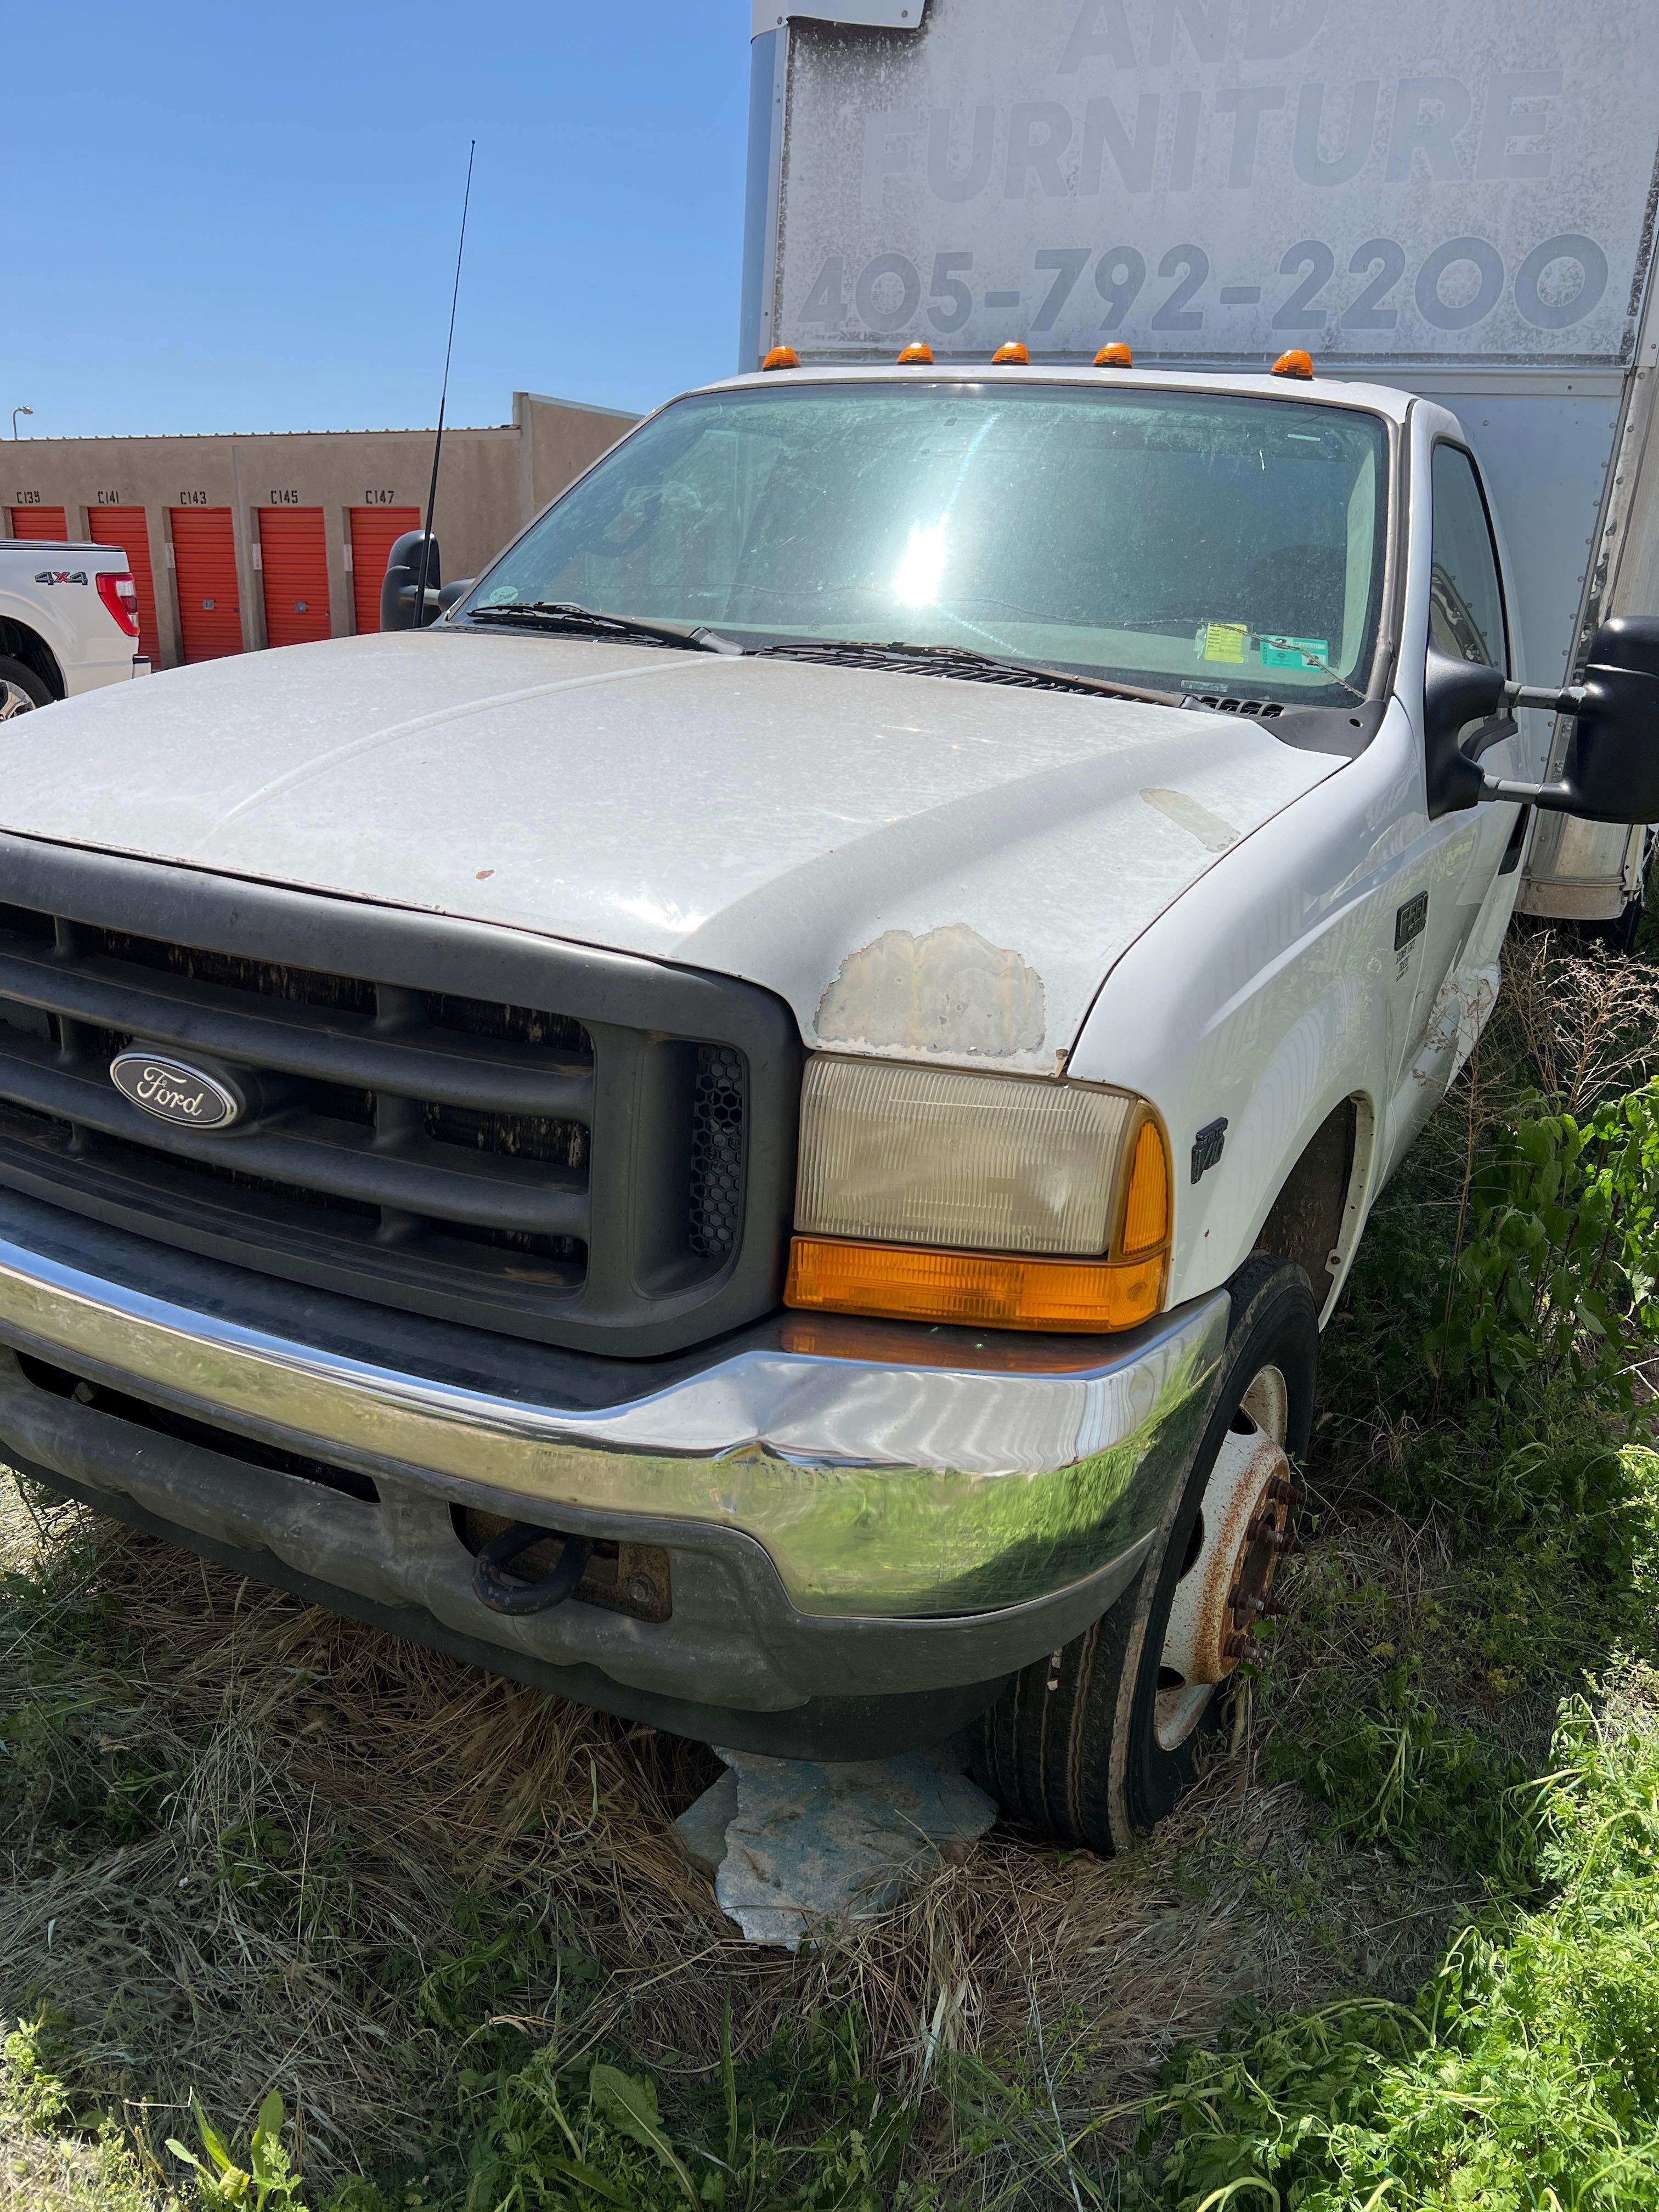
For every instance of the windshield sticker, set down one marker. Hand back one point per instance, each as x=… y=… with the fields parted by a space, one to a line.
x=1225 y=641
x=1296 y=653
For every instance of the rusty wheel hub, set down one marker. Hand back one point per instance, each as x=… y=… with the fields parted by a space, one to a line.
x=1242 y=1532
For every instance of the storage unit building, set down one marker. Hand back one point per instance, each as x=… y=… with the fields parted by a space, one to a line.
x=287 y=534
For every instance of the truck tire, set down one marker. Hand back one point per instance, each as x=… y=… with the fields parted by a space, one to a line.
x=20 y=689
x=1096 y=1744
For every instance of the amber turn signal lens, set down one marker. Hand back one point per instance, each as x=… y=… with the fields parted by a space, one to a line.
x=974 y=1290
x=918 y=355
x=1146 y=1205
x=1115 y=356
x=1294 y=363
x=782 y=357
x=1013 y=351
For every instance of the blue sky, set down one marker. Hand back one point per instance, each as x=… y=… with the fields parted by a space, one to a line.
x=233 y=217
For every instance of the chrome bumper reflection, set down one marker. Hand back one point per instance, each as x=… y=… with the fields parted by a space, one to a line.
x=878 y=1486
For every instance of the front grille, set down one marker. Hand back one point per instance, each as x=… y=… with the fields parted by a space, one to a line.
x=528 y=1166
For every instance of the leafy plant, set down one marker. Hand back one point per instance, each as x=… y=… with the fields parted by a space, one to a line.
x=1554 y=1280
x=1393 y=1771
x=1526 y=2076
x=267 y=2180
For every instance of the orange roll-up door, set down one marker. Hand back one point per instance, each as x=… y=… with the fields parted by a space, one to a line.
x=204 y=565
x=125 y=526
x=375 y=532
x=294 y=574
x=39 y=522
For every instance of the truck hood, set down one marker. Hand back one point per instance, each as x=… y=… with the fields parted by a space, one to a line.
x=919 y=865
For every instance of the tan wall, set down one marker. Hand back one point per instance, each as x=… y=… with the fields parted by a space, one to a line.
x=491 y=483
x=559 y=442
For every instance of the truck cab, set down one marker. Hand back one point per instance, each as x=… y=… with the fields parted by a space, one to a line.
x=757 y=1126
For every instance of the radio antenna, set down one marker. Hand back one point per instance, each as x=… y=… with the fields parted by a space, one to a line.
x=443 y=398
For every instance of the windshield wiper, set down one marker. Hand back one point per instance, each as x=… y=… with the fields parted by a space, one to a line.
x=564 y=614
x=965 y=660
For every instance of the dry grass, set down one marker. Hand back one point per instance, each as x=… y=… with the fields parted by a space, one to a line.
x=330 y=1795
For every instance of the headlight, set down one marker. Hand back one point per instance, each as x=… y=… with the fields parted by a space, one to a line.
x=1013 y=1201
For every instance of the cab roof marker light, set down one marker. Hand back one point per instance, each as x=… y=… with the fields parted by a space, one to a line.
x=1296 y=363
x=1115 y=356
x=1014 y=353
x=917 y=355
x=782 y=357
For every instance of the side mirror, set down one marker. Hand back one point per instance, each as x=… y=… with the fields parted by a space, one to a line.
x=402 y=583
x=1454 y=694
x=1612 y=769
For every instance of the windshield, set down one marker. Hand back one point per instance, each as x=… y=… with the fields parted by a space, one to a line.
x=1188 y=541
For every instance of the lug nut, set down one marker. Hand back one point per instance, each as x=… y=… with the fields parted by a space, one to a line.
x=1283 y=1542
x=1240 y=1646
x=1273 y=1608
x=1285 y=1491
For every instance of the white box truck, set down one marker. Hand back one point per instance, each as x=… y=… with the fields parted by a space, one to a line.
x=756 y=1124
x=1455 y=199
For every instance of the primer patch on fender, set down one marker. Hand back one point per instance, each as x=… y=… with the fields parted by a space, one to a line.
x=1211 y=831
x=948 y=991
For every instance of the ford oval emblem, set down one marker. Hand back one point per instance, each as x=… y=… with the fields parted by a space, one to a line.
x=172 y=1090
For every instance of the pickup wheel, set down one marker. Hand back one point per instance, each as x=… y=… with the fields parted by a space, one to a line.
x=1096 y=1743
x=20 y=689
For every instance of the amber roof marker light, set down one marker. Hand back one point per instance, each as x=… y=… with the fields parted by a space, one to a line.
x=917 y=355
x=1115 y=356
x=782 y=357
x=1013 y=354
x=1294 y=363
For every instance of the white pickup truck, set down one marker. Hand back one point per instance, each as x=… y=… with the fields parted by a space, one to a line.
x=69 y=621
x=757 y=1126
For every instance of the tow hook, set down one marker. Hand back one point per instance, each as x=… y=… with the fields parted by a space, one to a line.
x=503 y=1597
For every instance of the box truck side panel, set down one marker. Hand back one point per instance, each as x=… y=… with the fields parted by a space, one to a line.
x=1416 y=184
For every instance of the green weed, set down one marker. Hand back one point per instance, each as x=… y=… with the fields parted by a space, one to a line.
x=1551 y=1284
x=267 y=2183
x=807 y=2131
x=1392 y=1771
x=1527 y=2074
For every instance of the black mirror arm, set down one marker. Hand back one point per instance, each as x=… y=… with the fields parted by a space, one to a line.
x=1552 y=797
x=1553 y=702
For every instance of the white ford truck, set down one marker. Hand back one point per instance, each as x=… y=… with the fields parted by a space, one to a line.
x=757 y=1126
x=69 y=621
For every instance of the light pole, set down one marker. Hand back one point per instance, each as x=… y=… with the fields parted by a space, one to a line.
x=16 y=412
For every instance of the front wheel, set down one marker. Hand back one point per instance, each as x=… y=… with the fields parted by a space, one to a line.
x=1096 y=1744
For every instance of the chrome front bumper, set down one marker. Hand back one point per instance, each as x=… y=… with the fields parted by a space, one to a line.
x=888 y=1474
